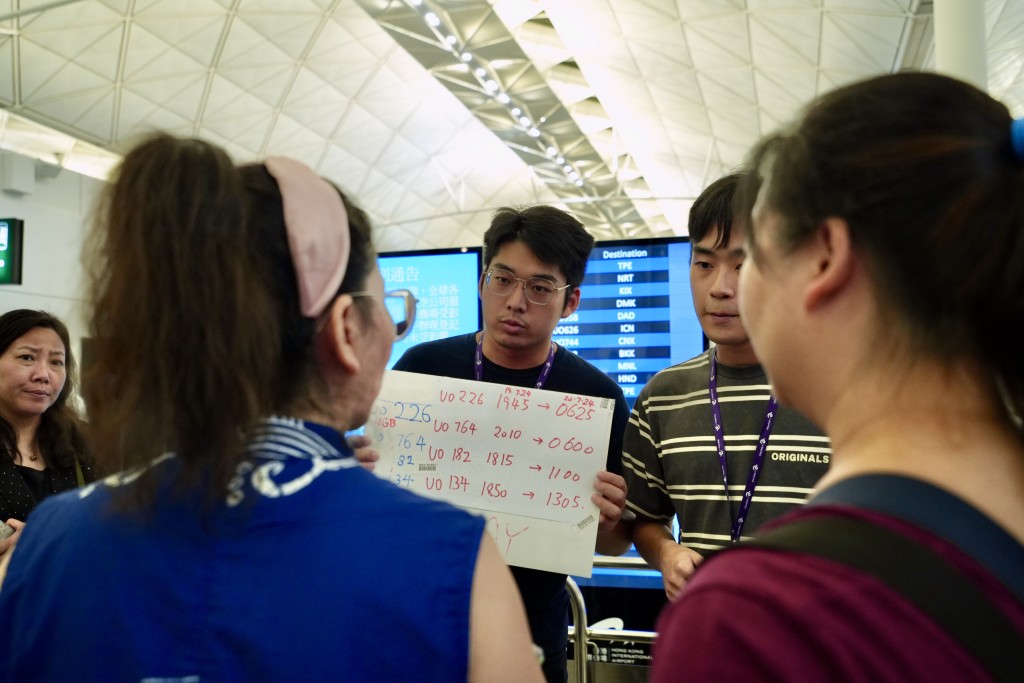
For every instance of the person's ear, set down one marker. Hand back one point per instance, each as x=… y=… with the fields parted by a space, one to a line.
x=833 y=264
x=572 y=302
x=341 y=331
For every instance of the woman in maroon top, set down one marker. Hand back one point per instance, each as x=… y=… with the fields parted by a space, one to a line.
x=885 y=262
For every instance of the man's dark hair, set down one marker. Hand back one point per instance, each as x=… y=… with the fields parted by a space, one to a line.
x=713 y=209
x=553 y=235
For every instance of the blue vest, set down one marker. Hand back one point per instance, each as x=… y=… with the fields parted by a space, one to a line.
x=313 y=569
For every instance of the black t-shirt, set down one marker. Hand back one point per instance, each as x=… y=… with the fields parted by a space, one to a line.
x=544 y=593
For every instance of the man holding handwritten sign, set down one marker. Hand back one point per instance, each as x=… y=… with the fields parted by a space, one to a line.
x=534 y=262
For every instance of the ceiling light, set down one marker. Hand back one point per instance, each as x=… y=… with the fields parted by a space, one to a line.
x=451 y=40
x=480 y=72
x=525 y=120
x=534 y=133
x=466 y=56
x=432 y=19
x=504 y=98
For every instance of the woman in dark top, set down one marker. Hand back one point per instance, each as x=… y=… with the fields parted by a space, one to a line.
x=41 y=445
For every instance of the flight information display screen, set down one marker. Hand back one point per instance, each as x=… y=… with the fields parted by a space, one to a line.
x=636 y=312
x=444 y=284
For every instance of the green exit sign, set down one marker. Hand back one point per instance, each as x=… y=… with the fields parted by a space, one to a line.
x=11 y=232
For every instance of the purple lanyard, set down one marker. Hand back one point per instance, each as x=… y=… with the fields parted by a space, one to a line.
x=478 y=366
x=762 y=446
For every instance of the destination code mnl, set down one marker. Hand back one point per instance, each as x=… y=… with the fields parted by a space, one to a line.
x=624 y=323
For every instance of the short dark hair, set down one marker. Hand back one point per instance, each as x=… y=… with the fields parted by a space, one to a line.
x=713 y=210
x=922 y=169
x=59 y=433
x=553 y=235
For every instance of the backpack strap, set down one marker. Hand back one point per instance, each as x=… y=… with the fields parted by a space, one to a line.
x=940 y=512
x=924 y=578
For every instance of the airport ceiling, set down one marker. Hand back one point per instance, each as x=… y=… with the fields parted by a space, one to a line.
x=432 y=113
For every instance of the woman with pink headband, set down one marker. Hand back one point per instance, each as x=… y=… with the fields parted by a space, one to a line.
x=240 y=330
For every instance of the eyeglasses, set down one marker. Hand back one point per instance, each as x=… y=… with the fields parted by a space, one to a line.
x=538 y=290
x=401 y=306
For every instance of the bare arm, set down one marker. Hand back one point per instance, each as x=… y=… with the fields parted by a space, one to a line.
x=500 y=650
x=676 y=562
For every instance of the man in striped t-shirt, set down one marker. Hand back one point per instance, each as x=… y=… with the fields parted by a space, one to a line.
x=706 y=441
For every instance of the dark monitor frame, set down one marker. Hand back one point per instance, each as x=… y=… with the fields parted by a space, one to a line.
x=432 y=254
x=11 y=252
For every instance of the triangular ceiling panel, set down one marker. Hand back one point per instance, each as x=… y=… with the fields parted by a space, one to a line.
x=657 y=97
x=786 y=39
x=348 y=79
x=225 y=100
x=290 y=31
x=140 y=115
x=177 y=94
x=237 y=152
x=96 y=119
x=346 y=169
x=784 y=88
x=666 y=61
x=246 y=47
x=196 y=36
x=377 y=189
x=722 y=87
x=247 y=131
x=853 y=41
x=265 y=84
x=646 y=18
x=321 y=113
x=58 y=23
x=44 y=77
x=695 y=11
x=364 y=134
x=149 y=58
x=720 y=42
x=401 y=160
x=542 y=44
x=94 y=50
x=118 y=6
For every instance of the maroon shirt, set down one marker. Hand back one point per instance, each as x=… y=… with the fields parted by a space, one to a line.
x=754 y=614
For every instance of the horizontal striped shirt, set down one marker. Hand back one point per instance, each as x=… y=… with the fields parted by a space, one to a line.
x=670 y=459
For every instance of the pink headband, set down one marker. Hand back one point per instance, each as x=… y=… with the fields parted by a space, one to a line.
x=317 y=227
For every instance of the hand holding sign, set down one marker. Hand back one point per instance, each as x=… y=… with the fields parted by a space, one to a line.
x=524 y=458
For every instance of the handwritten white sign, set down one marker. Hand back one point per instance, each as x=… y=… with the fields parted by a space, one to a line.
x=526 y=459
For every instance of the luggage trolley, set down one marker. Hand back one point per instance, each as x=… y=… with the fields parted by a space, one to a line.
x=604 y=655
